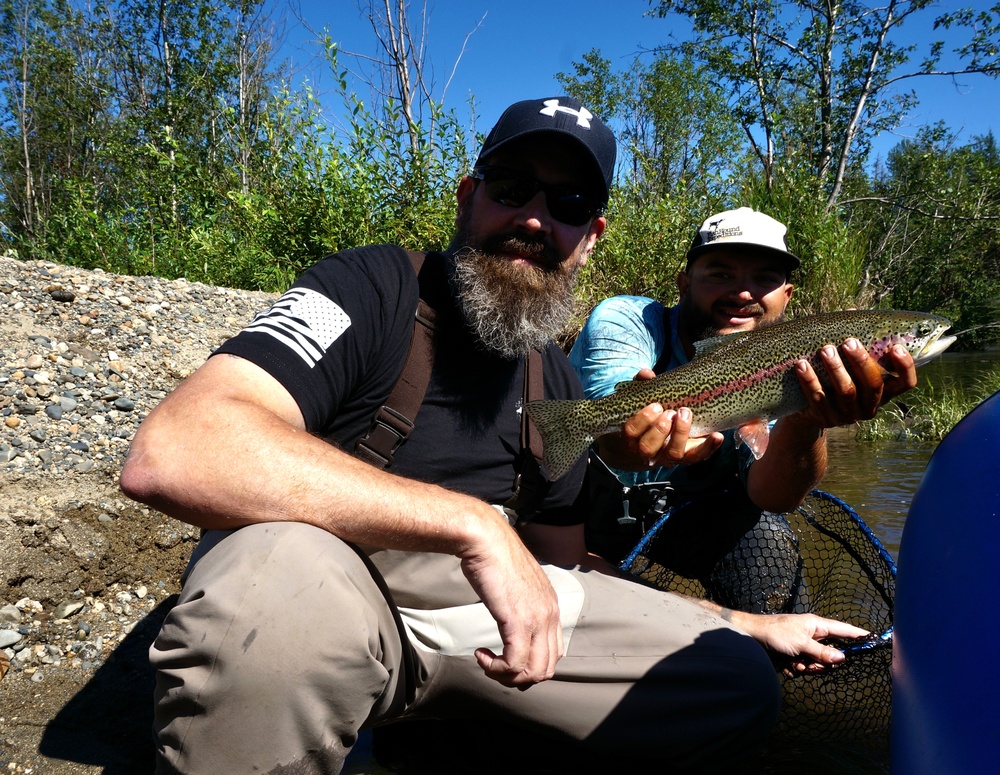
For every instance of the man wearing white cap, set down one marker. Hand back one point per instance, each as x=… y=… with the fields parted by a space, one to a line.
x=737 y=278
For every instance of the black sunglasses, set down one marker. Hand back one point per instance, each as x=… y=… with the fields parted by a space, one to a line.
x=566 y=203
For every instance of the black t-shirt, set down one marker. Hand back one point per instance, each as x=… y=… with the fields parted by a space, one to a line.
x=337 y=341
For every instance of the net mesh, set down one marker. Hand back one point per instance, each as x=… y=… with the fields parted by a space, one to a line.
x=820 y=558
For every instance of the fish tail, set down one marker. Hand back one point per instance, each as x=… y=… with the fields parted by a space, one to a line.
x=565 y=436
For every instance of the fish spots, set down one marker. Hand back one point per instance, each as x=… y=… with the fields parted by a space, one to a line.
x=735 y=381
x=742 y=382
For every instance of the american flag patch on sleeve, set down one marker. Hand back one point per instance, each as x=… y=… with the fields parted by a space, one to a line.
x=305 y=321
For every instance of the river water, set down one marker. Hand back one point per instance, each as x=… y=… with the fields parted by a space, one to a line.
x=879 y=480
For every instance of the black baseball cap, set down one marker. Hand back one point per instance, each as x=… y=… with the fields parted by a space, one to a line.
x=558 y=115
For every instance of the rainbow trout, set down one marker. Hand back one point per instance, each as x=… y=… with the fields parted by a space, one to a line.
x=737 y=379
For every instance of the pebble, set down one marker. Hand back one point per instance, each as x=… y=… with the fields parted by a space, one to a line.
x=85 y=357
x=80 y=377
x=67 y=609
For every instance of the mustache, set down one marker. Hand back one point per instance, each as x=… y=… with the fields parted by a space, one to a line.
x=536 y=249
x=749 y=310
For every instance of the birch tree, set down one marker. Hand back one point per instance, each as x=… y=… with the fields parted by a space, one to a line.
x=814 y=81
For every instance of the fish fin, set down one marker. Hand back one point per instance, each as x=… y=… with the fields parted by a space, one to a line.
x=564 y=437
x=755 y=435
x=705 y=346
x=878 y=369
x=629 y=384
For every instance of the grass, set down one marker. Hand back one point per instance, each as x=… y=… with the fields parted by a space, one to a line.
x=928 y=412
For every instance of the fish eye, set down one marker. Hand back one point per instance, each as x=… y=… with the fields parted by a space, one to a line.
x=923 y=328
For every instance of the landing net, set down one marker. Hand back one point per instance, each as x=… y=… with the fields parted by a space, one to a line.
x=820 y=558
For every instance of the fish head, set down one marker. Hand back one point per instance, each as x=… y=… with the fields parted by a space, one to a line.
x=920 y=333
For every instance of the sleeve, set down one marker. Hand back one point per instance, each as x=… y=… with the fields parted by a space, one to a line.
x=339 y=333
x=622 y=335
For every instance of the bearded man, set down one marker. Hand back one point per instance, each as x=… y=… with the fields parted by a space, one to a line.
x=329 y=596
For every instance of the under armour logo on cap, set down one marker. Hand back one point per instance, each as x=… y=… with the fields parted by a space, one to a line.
x=563 y=116
x=583 y=115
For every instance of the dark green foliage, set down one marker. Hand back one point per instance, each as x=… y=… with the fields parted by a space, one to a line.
x=154 y=139
x=159 y=139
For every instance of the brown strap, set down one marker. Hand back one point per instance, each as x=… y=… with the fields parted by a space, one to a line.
x=534 y=390
x=394 y=421
x=529 y=479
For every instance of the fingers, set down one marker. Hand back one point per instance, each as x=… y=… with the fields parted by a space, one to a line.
x=519 y=596
x=663 y=437
x=798 y=643
x=524 y=661
x=816 y=653
x=867 y=379
x=844 y=394
x=818 y=408
x=831 y=628
x=854 y=385
x=642 y=427
x=904 y=373
x=680 y=447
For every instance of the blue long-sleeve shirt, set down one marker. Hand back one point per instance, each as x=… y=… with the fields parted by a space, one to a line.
x=625 y=334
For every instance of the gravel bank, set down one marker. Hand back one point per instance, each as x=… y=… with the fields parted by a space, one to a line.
x=86 y=575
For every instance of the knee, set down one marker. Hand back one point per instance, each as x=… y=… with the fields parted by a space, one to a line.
x=752 y=696
x=284 y=574
x=281 y=639
x=261 y=589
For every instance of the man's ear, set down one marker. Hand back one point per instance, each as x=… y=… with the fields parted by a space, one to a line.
x=466 y=186
x=597 y=227
x=683 y=281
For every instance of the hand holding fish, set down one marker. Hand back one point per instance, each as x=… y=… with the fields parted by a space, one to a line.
x=856 y=385
x=655 y=437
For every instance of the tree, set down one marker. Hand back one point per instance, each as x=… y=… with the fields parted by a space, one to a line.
x=812 y=81
x=932 y=222
x=674 y=130
x=54 y=84
x=677 y=144
x=400 y=77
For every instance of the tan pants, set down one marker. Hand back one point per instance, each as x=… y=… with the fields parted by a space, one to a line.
x=283 y=646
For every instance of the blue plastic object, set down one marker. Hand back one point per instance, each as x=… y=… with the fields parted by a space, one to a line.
x=946 y=656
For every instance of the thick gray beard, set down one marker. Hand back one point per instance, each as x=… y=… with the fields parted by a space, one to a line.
x=512 y=309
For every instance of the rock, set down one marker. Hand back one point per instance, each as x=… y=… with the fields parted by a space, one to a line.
x=67 y=609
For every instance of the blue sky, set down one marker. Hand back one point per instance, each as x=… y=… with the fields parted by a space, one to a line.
x=520 y=45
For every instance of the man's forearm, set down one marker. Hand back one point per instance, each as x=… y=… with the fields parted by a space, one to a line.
x=793 y=464
x=210 y=457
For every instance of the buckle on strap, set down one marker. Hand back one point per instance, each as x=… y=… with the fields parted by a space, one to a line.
x=387 y=434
